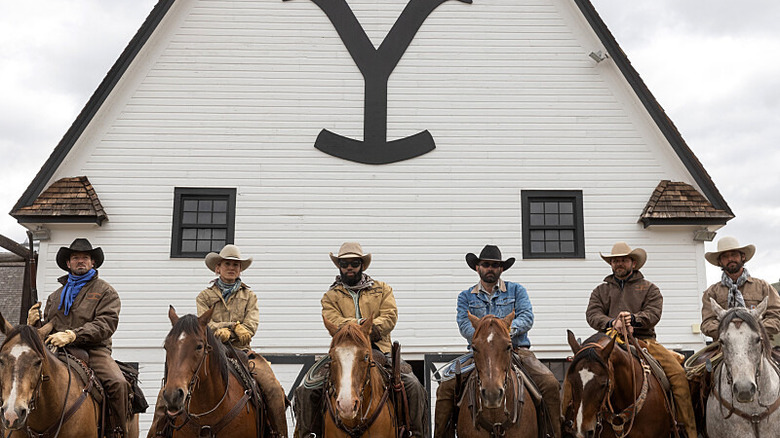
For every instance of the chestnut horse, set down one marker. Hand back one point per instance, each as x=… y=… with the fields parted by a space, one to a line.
x=40 y=395
x=497 y=403
x=607 y=392
x=203 y=397
x=357 y=399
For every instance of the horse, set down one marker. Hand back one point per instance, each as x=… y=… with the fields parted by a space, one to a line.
x=608 y=385
x=40 y=394
x=498 y=402
x=357 y=399
x=747 y=382
x=202 y=395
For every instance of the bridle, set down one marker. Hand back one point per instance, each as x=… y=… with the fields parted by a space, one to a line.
x=498 y=429
x=365 y=421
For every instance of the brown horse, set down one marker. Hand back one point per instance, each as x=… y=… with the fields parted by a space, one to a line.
x=356 y=396
x=607 y=392
x=40 y=395
x=203 y=397
x=497 y=403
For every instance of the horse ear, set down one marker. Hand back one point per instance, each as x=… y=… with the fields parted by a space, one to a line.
x=206 y=316
x=332 y=328
x=474 y=320
x=759 y=311
x=575 y=346
x=5 y=326
x=172 y=315
x=607 y=351
x=366 y=326
x=719 y=312
x=508 y=319
x=45 y=330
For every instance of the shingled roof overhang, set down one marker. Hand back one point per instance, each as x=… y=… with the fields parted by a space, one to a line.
x=68 y=200
x=679 y=203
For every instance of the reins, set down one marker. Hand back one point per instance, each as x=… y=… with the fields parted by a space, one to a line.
x=498 y=429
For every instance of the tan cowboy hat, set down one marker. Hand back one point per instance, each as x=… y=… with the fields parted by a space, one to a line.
x=229 y=252
x=728 y=243
x=79 y=245
x=351 y=250
x=621 y=249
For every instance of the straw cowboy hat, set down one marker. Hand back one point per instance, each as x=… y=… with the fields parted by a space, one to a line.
x=79 y=245
x=728 y=243
x=621 y=249
x=351 y=250
x=490 y=253
x=229 y=252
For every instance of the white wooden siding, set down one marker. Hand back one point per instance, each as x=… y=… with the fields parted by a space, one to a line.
x=232 y=93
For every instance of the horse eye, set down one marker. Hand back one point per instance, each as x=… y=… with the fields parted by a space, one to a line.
x=758 y=340
x=199 y=347
x=36 y=363
x=508 y=348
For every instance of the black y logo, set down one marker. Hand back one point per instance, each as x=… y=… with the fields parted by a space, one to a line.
x=376 y=66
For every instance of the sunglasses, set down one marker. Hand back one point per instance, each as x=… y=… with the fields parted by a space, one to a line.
x=493 y=265
x=353 y=263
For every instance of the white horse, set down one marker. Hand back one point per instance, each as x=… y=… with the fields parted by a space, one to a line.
x=746 y=386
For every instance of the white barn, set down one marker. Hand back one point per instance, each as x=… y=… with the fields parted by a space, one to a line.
x=518 y=123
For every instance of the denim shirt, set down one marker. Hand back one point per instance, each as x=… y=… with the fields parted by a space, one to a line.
x=510 y=296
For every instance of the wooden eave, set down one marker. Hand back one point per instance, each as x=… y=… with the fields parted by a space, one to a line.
x=679 y=203
x=68 y=200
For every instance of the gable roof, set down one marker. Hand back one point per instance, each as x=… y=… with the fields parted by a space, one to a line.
x=651 y=105
x=674 y=202
x=67 y=200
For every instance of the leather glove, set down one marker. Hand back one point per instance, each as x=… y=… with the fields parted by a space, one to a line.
x=61 y=339
x=375 y=335
x=223 y=334
x=34 y=314
x=244 y=335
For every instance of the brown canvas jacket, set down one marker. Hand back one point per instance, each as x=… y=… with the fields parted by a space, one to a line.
x=240 y=307
x=93 y=316
x=640 y=297
x=753 y=291
x=378 y=301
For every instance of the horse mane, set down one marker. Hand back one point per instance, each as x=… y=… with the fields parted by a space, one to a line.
x=490 y=321
x=29 y=337
x=188 y=324
x=589 y=354
x=350 y=332
x=752 y=322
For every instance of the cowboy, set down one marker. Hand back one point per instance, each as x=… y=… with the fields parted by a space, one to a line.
x=354 y=296
x=494 y=296
x=737 y=288
x=234 y=321
x=626 y=301
x=85 y=314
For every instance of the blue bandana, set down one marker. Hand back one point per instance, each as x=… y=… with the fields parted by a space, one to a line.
x=73 y=287
x=228 y=289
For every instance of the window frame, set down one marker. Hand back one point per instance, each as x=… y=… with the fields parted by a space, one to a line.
x=528 y=196
x=180 y=194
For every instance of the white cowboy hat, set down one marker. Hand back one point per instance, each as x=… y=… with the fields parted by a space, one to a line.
x=229 y=252
x=351 y=250
x=621 y=249
x=728 y=243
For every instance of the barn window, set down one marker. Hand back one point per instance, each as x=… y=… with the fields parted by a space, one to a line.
x=203 y=220
x=552 y=224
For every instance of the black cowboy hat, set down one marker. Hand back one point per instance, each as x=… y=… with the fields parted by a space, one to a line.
x=79 y=245
x=491 y=253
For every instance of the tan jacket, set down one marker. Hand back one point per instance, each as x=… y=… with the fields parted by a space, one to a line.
x=378 y=301
x=93 y=316
x=639 y=296
x=753 y=291
x=240 y=307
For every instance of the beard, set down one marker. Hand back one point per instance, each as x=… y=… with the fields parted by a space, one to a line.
x=489 y=276
x=621 y=273
x=733 y=267
x=351 y=280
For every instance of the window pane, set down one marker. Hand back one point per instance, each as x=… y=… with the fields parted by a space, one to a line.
x=220 y=206
x=551 y=219
x=551 y=235
x=537 y=220
x=189 y=234
x=552 y=247
x=566 y=207
x=217 y=245
x=567 y=247
x=190 y=205
x=219 y=218
x=536 y=207
x=204 y=245
x=551 y=207
x=204 y=218
x=537 y=235
x=189 y=218
x=188 y=246
x=204 y=234
x=567 y=235
x=219 y=234
x=567 y=219
x=537 y=246
x=204 y=205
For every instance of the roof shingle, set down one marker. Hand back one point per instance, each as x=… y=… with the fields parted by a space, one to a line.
x=674 y=203
x=67 y=200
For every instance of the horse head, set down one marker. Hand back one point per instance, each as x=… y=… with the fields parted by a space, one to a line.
x=745 y=344
x=586 y=385
x=351 y=361
x=23 y=363
x=187 y=349
x=492 y=347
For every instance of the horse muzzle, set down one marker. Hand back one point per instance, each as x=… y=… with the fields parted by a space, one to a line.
x=13 y=419
x=347 y=407
x=744 y=392
x=492 y=398
x=174 y=400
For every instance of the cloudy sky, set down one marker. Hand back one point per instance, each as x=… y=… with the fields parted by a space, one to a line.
x=712 y=64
